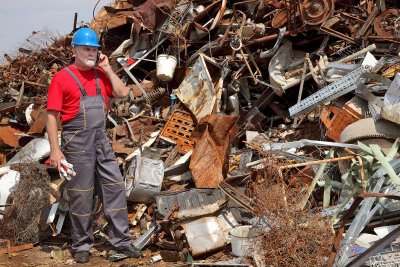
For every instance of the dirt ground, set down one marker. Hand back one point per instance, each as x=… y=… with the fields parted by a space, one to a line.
x=42 y=256
x=52 y=255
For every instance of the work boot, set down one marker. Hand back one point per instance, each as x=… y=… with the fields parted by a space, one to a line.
x=81 y=256
x=131 y=251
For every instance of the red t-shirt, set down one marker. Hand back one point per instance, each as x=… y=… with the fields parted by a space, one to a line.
x=64 y=93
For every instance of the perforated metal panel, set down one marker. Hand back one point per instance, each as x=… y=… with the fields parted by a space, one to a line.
x=328 y=93
x=178 y=129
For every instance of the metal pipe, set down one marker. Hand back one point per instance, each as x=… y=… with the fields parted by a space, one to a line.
x=75 y=21
x=369 y=48
x=267 y=38
x=316 y=162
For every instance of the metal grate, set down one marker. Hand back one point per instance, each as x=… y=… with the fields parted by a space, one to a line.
x=179 y=129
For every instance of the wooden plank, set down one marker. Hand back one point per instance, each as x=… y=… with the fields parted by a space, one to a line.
x=11 y=249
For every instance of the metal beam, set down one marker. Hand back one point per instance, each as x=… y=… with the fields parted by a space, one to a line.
x=375 y=248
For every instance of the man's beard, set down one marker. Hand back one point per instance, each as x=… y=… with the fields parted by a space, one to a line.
x=89 y=63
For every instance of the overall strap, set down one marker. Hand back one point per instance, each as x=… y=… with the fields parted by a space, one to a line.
x=83 y=91
x=98 y=91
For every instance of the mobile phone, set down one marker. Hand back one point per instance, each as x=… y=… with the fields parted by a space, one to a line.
x=98 y=57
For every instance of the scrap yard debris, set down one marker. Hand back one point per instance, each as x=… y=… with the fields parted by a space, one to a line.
x=255 y=133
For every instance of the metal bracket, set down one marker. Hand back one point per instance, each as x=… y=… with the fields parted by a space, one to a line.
x=336 y=89
x=270 y=52
x=328 y=93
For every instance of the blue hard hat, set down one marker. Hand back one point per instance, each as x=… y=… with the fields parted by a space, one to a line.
x=86 y=37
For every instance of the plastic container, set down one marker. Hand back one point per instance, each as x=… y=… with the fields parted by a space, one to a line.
x=166 y=65
x=243 y=240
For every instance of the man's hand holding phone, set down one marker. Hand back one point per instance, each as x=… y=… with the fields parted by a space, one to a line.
x=102 y=61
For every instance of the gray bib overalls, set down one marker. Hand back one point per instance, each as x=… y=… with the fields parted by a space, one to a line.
x=85 y=144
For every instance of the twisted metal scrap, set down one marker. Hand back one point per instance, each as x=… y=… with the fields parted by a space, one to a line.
x=296 y=238
x=315 y=12
x=31 y=65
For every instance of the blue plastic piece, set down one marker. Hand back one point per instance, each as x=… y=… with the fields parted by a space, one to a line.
x=173 y=100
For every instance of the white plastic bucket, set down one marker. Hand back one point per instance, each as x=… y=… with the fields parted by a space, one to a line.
x=242 y=240
x=166 y=65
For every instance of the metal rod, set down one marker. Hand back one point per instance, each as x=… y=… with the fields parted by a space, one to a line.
x=130 y=130
x=312 y=71
x=75 y=21
x=367 y=23
x=303 y=77
x=266 y=38
x=248 y=66
x=35 y=84
x=369 y=48
x=311 y=187
x=315 y=162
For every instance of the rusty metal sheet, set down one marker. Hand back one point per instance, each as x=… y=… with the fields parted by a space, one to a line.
x=8 y=137
x=2 y=159
x=336 y=119
x=120 y=148
x=39 y=124
x=146 y=15
x=197 y=89
x=210 y=159
x=280 y=19
x=385 y=23
x=110 y=17
x=106 y=20
x=143 y=123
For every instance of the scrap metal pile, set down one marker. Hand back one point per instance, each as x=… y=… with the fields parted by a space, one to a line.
x=274 y=122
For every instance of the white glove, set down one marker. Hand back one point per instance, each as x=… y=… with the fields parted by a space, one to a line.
x=66 y=170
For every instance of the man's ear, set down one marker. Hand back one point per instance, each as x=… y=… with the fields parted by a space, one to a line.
x=73 y=51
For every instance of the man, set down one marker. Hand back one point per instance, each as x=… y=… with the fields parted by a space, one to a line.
x=80 y=93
